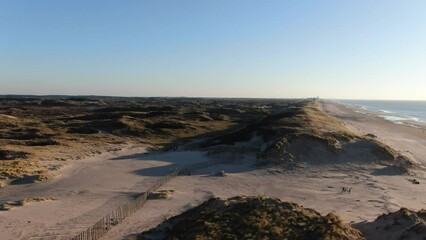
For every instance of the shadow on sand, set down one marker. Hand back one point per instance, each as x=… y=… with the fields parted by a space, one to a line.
x=166 y=162
x=388 y=171
x=25 y=180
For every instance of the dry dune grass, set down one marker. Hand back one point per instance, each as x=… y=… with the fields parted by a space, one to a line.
x=303 y=132
x=402 y=224
x=11 y=204
x=38 y=132
x=162 y=194
x=252 y=218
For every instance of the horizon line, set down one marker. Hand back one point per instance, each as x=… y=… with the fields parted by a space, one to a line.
x=200 y=97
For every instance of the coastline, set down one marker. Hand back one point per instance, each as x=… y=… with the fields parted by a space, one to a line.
x=404 y=138
x=386 y=112
x=80 y=198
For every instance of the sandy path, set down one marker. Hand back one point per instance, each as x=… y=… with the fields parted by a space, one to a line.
x=373 y=192
x=84 y=191
x=89 y=188
x=318 y=188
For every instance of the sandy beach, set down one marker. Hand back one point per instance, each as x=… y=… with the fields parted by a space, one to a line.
x=87 y=189
x=404 y=138
x=212 y=120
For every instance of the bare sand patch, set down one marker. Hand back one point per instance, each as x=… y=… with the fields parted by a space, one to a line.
x=86 y=189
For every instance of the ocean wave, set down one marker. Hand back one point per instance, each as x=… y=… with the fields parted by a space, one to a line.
x=399 y=112
x=360 y=112
x=385 y=111
x=401 y=119
x=360 y=106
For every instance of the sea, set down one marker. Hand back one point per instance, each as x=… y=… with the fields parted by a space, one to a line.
x=395 y=111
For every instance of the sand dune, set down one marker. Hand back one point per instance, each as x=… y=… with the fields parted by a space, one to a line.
x=88 y=188
x=84 y=191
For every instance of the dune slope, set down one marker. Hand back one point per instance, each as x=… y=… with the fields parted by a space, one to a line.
x=252 y=218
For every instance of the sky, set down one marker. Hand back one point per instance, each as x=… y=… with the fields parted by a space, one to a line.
x=360 y=49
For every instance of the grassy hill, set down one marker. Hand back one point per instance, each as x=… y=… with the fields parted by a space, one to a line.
x=251 y=218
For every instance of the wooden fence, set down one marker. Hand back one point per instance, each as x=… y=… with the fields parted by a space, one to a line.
x=97 y=230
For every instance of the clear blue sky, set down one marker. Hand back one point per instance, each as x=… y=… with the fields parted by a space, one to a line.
x=373 y=49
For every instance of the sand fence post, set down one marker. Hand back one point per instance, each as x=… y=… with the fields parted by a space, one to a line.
x=97 y=230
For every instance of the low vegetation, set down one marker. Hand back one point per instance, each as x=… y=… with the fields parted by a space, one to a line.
x=38 y=133
x=399 y=225
x=5 y=206
x=251 y=218
x=303 y=133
